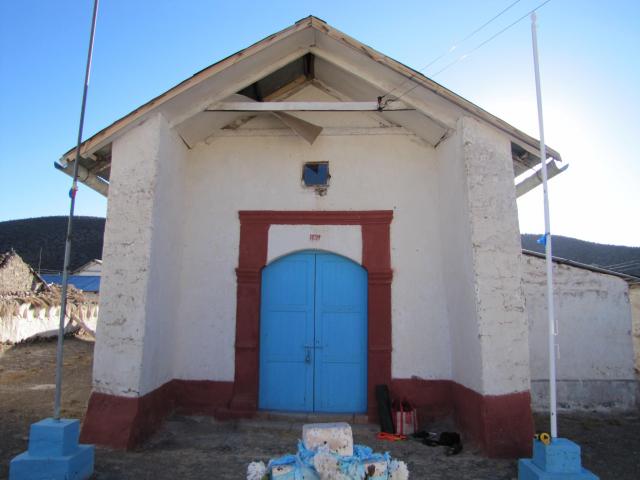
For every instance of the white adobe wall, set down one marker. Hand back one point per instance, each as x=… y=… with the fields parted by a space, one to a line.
x=164 y=289
x=139 y=293
x=368 y=172
x=458 y=278
x=595 y=363
x=30 y=321
x=171 y=247
x=481 y=254
x=345 y=240
x=634 y=298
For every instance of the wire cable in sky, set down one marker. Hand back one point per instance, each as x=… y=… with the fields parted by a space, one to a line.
x=625 y=262
x=455 y=45
x=625 y=265
x=470 y=52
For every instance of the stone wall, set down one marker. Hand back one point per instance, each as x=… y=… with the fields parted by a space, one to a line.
x=16 y=275
x=595 y=352
x=634 y=298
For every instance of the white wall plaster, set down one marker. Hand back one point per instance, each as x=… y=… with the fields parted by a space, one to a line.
x=164 y=287
x=634 y=298
x=495 y=238
x=135 y=309
x=595 y=362
x=345 y=240
x=481 y=255
x=457 y=260
x=368 y=172
x=171 y=248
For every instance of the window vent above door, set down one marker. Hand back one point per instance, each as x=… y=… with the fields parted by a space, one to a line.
x=316 y=174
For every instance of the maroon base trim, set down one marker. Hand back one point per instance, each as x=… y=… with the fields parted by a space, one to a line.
x=125 y=422
x=432 y=398
x=201 y=397
x=501 y=425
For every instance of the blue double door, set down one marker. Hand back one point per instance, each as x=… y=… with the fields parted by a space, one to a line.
x=313 y=334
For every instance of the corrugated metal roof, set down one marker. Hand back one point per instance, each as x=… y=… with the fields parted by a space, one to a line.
x=86 y=283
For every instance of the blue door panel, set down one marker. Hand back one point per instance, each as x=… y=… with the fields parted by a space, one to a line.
x=336 y=390
x=341 y=335
x=313 y=334
x=286 y=326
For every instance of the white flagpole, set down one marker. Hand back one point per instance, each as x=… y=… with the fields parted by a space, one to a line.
x=547 y=238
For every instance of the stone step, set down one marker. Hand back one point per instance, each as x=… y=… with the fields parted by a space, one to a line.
x=294 y=417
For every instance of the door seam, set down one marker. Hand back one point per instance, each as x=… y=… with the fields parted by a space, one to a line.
x=315 y=294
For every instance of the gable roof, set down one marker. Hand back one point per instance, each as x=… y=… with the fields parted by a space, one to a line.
x=285 y=54
x=95 y=261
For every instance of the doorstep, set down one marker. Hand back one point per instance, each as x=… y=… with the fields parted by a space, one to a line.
x=313 y=417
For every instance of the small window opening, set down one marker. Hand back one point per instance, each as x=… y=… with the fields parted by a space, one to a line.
x=316 y=174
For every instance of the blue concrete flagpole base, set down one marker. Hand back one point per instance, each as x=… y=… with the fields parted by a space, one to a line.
x=559 y=460
x=54 y=453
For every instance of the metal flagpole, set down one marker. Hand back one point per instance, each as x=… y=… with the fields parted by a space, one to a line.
x=547 y=241
x=67 y=247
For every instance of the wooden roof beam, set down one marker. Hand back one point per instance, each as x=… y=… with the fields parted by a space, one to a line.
x=304 y=107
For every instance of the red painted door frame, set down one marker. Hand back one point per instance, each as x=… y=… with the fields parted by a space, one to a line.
x=376 y=259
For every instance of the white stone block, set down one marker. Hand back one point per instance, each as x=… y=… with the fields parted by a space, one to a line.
x=335 y=436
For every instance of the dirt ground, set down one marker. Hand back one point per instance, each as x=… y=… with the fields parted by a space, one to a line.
x=202 y=448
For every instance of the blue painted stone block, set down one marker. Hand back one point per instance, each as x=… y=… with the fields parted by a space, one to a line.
x=561 y=455
x=77 y=466
x=50 y=437
x=54 y=453
x=560 y=460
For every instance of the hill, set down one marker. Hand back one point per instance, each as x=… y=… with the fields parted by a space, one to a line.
x=27 y=236
x=613 y=257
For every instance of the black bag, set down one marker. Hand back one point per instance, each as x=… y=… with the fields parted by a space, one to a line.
x=384 y=408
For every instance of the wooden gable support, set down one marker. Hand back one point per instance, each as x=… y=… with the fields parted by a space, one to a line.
x=304 y=107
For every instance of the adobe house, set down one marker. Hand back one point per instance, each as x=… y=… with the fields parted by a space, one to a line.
x=30 y=308
x=278 y=237
x=17 y=276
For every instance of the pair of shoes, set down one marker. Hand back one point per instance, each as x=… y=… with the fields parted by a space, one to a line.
x=451 y=440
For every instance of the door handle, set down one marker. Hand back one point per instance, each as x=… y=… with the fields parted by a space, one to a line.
x=307 y=357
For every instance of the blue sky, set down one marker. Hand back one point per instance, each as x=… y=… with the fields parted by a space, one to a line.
x=589 y=61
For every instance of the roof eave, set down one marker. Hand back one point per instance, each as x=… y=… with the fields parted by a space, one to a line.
x=106 y=135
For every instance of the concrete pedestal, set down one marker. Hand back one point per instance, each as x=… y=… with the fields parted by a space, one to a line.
x=560 y=460
x=54 y=453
